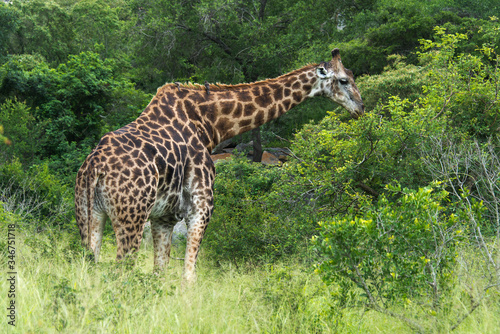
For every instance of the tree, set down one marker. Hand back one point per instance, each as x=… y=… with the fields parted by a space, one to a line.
x=228 y=41
x=9 y=22
x=399 y=252
x=23 y=132
x=44 y=28
x=76 y=102
x=104 y=27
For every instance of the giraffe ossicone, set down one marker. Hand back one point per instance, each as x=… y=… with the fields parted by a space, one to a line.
x=159 y=166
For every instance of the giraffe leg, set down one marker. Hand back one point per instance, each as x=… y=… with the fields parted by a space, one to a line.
x=197 y=222
x=129 y=214
x=162 y=230
x=128 y=237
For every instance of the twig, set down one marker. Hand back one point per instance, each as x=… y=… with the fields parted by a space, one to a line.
x=444 y=106
x=280 y=138
x=474 y=306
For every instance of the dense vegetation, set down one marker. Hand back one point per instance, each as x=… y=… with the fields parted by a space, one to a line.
x=386 y=223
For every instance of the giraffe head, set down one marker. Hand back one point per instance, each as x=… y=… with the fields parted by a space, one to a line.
x=337 y=83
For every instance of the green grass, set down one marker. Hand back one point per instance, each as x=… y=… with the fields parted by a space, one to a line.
x=60 y=290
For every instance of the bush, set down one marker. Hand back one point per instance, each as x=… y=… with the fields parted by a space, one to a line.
x=78 y=101
x=400 y=251
x=241 y=227
x=463 y=87
x=23 y=132
x=398 y=79
x=36 y=195
x=340 y=164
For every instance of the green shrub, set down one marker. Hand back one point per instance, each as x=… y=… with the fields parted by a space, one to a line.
x=241 y=227
x=398 y=79
x=399 y=251
x=36 y=195
x=463 y=87
x=76 y=102
x=23 y=132
x=339 y=164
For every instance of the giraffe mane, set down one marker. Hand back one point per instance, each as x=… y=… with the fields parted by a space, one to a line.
x=224 y=87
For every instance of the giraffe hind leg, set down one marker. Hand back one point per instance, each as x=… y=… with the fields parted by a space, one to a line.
x=128 y=237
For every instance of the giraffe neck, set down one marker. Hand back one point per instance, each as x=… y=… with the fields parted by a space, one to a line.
x=220 y=112
x=252 y=105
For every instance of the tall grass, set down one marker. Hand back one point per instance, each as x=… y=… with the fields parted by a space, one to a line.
x=60 y=290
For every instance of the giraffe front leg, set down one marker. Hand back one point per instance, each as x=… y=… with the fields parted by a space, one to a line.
x=200 y=196
x=162 y=230
x=197 y=223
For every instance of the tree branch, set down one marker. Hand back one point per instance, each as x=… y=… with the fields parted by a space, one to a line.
x=262 y=9
x=367 y=189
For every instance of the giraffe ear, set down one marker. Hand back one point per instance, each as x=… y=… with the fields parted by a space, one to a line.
x=322 y=72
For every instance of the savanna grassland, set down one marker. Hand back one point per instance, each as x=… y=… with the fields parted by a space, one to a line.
x=385 y=224
x=59 y=290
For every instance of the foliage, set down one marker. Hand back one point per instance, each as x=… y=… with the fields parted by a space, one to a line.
x=56 y=29
x=35 y=195
x=398 y=79
x=463 y=86
x=399 y=251
x=75 y=103
x=23 y=132
x=241 y=227
x=394 y=27
x=44 y=28
x=104 y=27
x=342 y=163
x=227 y=41
x=9 y=21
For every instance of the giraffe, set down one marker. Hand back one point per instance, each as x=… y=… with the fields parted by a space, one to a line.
x=159 y=167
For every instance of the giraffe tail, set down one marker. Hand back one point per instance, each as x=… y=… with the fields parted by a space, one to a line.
x=91 y=183
x=81 y=204
x=90 y=222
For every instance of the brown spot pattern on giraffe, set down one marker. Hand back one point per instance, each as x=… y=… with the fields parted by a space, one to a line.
x=159 y=166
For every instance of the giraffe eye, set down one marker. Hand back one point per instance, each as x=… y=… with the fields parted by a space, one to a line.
x=343 y=81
